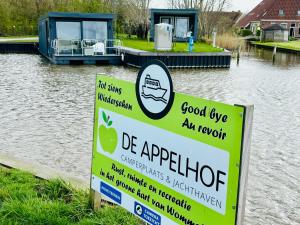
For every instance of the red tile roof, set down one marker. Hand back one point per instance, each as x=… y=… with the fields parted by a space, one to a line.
x=289 y=7
x=269 y=10
x=256 y=13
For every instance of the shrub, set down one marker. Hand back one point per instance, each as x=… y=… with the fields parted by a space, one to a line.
x=245 y=32
x=258 y=33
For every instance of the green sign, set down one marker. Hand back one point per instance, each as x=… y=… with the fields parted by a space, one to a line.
x=166 y=157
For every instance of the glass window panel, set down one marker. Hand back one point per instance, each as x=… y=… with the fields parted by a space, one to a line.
x=182 y=25
x=167 y=20
x=68 y=30
x=95 y=30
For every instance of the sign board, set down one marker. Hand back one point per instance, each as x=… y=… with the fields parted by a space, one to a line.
x=168 y=158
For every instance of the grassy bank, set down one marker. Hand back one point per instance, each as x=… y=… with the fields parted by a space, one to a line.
x=179 y=46
x=26 y=200
x=19 y=39
x=291 y=45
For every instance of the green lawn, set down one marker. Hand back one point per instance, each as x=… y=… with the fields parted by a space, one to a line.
x=292 y=45
x=26 y=200
x=179 y=46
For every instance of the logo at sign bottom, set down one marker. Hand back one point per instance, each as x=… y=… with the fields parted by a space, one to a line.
x=147 y=214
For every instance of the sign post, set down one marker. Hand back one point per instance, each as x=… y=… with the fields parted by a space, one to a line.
x=167 y=157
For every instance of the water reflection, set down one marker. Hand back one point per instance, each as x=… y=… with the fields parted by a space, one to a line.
x=281 y=59
x=46 y=116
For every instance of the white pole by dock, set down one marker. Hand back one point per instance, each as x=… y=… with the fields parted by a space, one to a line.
x=274 y=54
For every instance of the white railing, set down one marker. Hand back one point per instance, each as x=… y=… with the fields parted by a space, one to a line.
x=116 y=45
x=86 y=47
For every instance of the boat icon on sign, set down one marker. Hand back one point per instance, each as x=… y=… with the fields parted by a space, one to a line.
x=152 y=89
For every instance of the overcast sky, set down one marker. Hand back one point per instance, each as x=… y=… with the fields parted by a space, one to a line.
x=243 y=5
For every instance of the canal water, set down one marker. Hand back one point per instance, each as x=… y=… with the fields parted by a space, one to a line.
x=46 y=117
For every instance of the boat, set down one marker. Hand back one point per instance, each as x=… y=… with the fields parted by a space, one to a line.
x=152 y=89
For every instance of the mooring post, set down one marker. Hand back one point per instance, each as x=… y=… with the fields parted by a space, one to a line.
x=238 y=55
x=214 y=38
x=249 y=49
x=274 y=54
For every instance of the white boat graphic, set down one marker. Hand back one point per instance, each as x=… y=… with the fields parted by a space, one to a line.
x=152 y=89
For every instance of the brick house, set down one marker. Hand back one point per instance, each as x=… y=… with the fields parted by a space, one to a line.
x=286 y=13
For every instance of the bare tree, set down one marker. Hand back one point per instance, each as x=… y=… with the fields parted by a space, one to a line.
x=209 y=12
x=183 y=4
x=138 y=11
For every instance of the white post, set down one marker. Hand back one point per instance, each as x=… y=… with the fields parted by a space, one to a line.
x=274 y=54
x=214 y=38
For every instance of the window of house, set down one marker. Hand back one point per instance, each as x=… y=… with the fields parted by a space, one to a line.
x=281 y=12
x=283 y=25
x=298 y=13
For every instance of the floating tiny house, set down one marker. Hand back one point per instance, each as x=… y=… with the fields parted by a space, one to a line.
x=183 y=21
x=86 y=38
x=81 y=38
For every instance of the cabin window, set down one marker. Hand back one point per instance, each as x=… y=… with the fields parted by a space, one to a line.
x=167 y=20
x=182 y=27
x=281 y=12
x=94 y=30
x=68 y=30
x=69 y=37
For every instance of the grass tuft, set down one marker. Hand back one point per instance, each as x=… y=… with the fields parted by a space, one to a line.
x=27 y=200
x=56 y=189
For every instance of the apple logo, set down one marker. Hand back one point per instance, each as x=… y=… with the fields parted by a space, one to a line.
x=108 y=136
